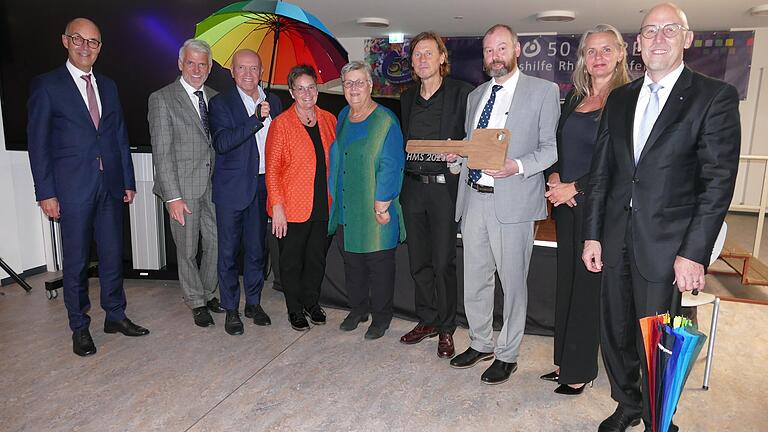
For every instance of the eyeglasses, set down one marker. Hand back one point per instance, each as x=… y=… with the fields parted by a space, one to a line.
x=308 y=89
x=355 y=84
x=668 y=30
x=78 y=40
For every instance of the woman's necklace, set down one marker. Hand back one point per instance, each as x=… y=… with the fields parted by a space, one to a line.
x=365 y=111
x=307 y=118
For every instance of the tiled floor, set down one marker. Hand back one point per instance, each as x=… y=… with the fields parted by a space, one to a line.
x=182 y=377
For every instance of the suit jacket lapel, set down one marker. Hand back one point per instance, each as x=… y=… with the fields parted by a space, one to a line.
x=629 y=116
x=518 y=100
x=188 y=109
x=474 y=105
x=672 y=108
x=71 y=92
x=106 y=102
x=237 y=101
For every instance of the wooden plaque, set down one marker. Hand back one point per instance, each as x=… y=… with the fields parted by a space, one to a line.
x=486 y=150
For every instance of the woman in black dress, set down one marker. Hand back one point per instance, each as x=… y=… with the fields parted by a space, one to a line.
x=600 y=67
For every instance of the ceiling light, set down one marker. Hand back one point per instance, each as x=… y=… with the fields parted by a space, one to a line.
x=761 y=10
x=556 y=16
x=373 y=22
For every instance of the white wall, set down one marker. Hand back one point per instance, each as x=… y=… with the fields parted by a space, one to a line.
x=21 y=223
x=754 y=128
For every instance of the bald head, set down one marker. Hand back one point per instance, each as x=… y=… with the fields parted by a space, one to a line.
x=667 y=9
x=246 y=70
x=78 y=23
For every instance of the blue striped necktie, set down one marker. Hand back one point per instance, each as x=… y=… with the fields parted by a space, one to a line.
x=485 y=117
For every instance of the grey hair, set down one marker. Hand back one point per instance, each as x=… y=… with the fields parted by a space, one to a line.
x=357 y=65
x=196 y=45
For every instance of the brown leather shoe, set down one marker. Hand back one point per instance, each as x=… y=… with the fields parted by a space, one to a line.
x=445 y=347
x=418 y=334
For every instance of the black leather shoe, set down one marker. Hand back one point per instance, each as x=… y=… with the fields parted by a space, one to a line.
x=351 y=321
x=316 y=314
x=82 y=343
x=552 y=376
x=565 y=389
x=298 y=322
x=232 y=323
x=214 y=306
x=619 y=421
x=260 y=318
x=375 y=332
x=469 y=358
x=125 y=327
x=499 y=372
x=202 y=317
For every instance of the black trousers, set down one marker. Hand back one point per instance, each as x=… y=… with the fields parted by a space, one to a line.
x=428 y=213
x=577 y=302
x=302 y=263
x=627 y=297
x=369 y=279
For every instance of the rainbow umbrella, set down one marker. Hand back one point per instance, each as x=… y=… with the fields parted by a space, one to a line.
x=281 y=33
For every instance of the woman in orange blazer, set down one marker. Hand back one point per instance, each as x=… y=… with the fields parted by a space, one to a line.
x=297 y=195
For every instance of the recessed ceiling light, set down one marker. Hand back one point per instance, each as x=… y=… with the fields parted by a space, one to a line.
x=458 y=17
x=556 y=16
x=374 y=22
x=761 y=10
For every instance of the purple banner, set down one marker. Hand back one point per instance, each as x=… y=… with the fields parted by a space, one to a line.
x=724 y=55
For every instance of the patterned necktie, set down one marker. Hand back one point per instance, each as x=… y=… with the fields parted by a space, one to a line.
x=649 y=118
x=485 y=117
x=203 y=111
x=93 y=105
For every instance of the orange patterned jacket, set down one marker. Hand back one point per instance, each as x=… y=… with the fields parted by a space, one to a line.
x=290 y=162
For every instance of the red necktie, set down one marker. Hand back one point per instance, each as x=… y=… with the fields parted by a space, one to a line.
x=93 y=105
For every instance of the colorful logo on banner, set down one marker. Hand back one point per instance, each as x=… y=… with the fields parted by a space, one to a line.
x=723 y=55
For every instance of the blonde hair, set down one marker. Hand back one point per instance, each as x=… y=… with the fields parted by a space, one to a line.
x=582 y=81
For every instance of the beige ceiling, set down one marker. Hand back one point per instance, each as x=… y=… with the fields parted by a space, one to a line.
x=412 y=16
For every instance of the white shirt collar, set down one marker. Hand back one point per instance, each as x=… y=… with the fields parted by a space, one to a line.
x=509 y=84
x=248 y=100
x=189 y=89
x=668 y=81
x=77 y=73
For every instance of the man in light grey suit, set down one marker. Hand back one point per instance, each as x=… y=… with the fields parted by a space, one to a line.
x=183 y=159
x=497 y=208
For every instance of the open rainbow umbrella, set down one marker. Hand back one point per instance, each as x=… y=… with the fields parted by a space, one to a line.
x=281 y=33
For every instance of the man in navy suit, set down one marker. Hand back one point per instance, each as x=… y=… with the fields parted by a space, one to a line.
x=81 y=165
x=239 y=120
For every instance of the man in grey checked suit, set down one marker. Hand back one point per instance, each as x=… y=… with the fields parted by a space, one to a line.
x=183 y=159
x=498 y=208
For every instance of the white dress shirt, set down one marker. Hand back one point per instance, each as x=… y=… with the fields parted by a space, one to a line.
x=261 y=135
x=499 y=113
x=192 y=96
x=81 y=85
x=666 y=84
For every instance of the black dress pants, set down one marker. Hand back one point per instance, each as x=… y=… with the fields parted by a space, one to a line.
x=577 y=302
x=627 y=297
x=428 y=213
x=369 y=279
x=302 y=263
